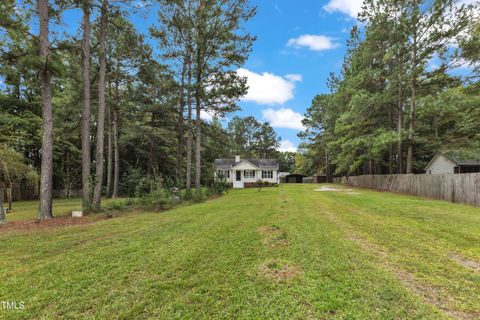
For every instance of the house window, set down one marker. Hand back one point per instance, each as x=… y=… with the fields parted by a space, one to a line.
x=267 y=174
x=223 y=174
x=249 y=174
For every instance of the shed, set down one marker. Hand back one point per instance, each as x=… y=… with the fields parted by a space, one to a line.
x=448 y=162
x=319 y=179
x=294 y=178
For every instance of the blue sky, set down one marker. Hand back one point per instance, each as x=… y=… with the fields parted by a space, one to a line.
x=299 y=44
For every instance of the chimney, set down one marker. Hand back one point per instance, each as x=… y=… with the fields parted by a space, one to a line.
x=237 y=159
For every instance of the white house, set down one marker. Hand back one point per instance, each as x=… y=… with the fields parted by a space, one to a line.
x=244 y=172
x=449 y=163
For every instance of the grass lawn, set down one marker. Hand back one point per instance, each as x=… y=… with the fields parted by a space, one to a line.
x=27 y=210
x=282 y=253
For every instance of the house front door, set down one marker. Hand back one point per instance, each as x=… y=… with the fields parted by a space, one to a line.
x=238 y=182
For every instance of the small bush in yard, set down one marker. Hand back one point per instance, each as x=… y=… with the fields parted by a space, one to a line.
x=170 y=196
x=158 y=199
x=117 y=204
x=186 y=194
x=219 y=187
x=260 y=184
x=199 y=196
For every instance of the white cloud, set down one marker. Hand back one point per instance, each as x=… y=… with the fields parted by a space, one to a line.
x=206 y=115
x=267 y=88
x=287 y=146
x=313 y=42
x=294 y=77
x=348 y=7
x=283 y=118
x=467 y=2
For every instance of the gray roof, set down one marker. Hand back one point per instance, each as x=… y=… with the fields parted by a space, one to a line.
x=261 y=163
x=460 y=161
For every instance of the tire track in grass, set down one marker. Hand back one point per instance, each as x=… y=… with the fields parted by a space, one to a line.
x=274 y=237
x=351 y=285
x=425 y=244
x=469 y=264
x=425 y=291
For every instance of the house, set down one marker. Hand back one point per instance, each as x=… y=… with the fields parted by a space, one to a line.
x=450 y=163
x=246 y=172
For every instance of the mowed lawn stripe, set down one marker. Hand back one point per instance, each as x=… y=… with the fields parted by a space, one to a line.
x=205 y=261
x=420 y=240
x=340 y=279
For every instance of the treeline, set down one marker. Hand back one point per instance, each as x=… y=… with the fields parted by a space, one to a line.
x=100 y=108
x=409 y=87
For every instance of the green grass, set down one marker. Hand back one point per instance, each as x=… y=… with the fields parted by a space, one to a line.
x=340 y=255
x=28 y=210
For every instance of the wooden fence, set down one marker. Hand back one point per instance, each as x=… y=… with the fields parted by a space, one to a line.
x=461 y=188
x=21 y=192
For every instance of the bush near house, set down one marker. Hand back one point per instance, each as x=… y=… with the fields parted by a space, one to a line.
x=260 y=184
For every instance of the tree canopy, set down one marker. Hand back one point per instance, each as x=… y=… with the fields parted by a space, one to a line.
x=390 y=109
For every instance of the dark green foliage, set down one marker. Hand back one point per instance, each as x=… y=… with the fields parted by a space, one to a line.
x=159 y=199
x=199 y=195
x=251 y=138
x=389 y=110
x=219 y=187
x=117 y=204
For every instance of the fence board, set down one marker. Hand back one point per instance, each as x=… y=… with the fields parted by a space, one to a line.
x=461 y=188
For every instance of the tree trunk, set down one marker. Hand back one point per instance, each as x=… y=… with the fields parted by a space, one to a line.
x=110 y=152
x=411 y=115
x=116 y=170
x=86 y=111
x=399 y=131
x=390 y=149
x=45 y=211
x=97 y=193
x=327 y=166
x=181 y=109
x=189 y=131
x=9 y=197
x=198 y=135
x=2 y=212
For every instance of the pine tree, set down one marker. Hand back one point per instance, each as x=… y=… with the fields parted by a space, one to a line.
x=99 y=155
x=46 y=173
x=86 y=108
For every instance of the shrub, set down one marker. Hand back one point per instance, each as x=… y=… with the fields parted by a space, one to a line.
x=157 y=200
x=116 y=204
x=219 y=187
x=129 y=201
x=144 y=186
x=130 y=180
x=199 y=196
x=261 y=184
x=186 y=194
